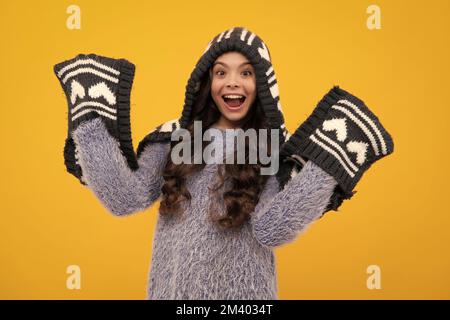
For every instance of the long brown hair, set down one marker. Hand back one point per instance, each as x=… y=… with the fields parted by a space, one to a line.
x=245 y=179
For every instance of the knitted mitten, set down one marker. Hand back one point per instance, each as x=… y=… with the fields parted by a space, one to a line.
x=97 y=86
x=342 y=136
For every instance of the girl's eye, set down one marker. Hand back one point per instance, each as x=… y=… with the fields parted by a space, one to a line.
x=221 y=73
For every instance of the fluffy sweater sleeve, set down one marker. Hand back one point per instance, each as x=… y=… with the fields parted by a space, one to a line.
x=280 y=216
x=121 y=190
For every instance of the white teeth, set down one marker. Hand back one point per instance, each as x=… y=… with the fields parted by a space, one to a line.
x=233 y=96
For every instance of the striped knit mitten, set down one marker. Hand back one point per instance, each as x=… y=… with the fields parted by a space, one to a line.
x=342 y=136
x=97 y=86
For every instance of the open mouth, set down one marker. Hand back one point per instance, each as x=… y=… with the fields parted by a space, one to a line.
x=233 y=100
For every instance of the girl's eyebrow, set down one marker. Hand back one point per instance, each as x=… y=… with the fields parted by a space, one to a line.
x=223 y=63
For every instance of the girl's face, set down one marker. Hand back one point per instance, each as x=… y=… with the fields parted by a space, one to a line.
x=233 y=88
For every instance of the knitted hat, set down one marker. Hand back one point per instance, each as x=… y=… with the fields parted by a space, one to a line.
x=250 y=45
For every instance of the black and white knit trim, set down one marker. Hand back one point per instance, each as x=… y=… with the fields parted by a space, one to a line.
x=162 y=133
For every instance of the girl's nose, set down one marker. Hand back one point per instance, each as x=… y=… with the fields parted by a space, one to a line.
x=232 y=81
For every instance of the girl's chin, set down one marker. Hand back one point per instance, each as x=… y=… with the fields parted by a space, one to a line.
x=234 y=116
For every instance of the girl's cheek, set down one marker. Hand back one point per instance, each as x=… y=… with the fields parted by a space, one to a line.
x=217 y=83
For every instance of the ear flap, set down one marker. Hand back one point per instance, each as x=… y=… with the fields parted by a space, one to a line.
x=161 y=133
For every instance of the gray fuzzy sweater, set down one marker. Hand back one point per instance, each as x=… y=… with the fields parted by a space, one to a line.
x=191 y=258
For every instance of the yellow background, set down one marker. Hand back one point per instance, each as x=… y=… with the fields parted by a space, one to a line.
x=398 y=220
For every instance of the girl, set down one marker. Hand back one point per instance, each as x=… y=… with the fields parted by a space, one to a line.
x=218 y=223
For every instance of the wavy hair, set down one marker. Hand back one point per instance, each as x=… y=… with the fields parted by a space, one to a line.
x=244 y=180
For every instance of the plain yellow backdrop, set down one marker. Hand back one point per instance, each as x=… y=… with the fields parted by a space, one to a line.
x=399 y=219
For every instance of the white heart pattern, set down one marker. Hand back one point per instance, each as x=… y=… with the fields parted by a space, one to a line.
x=339 y=125
x=263 y=52
x=95 y=91
x=76 y=90
x=101 y=89
x=360 y=148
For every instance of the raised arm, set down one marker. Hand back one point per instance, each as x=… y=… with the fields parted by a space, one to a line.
x=121 y=190
x=99 y=149
x=341 y=140
x=280 y=216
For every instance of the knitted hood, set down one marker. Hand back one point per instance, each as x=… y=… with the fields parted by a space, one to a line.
x=250 y=45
